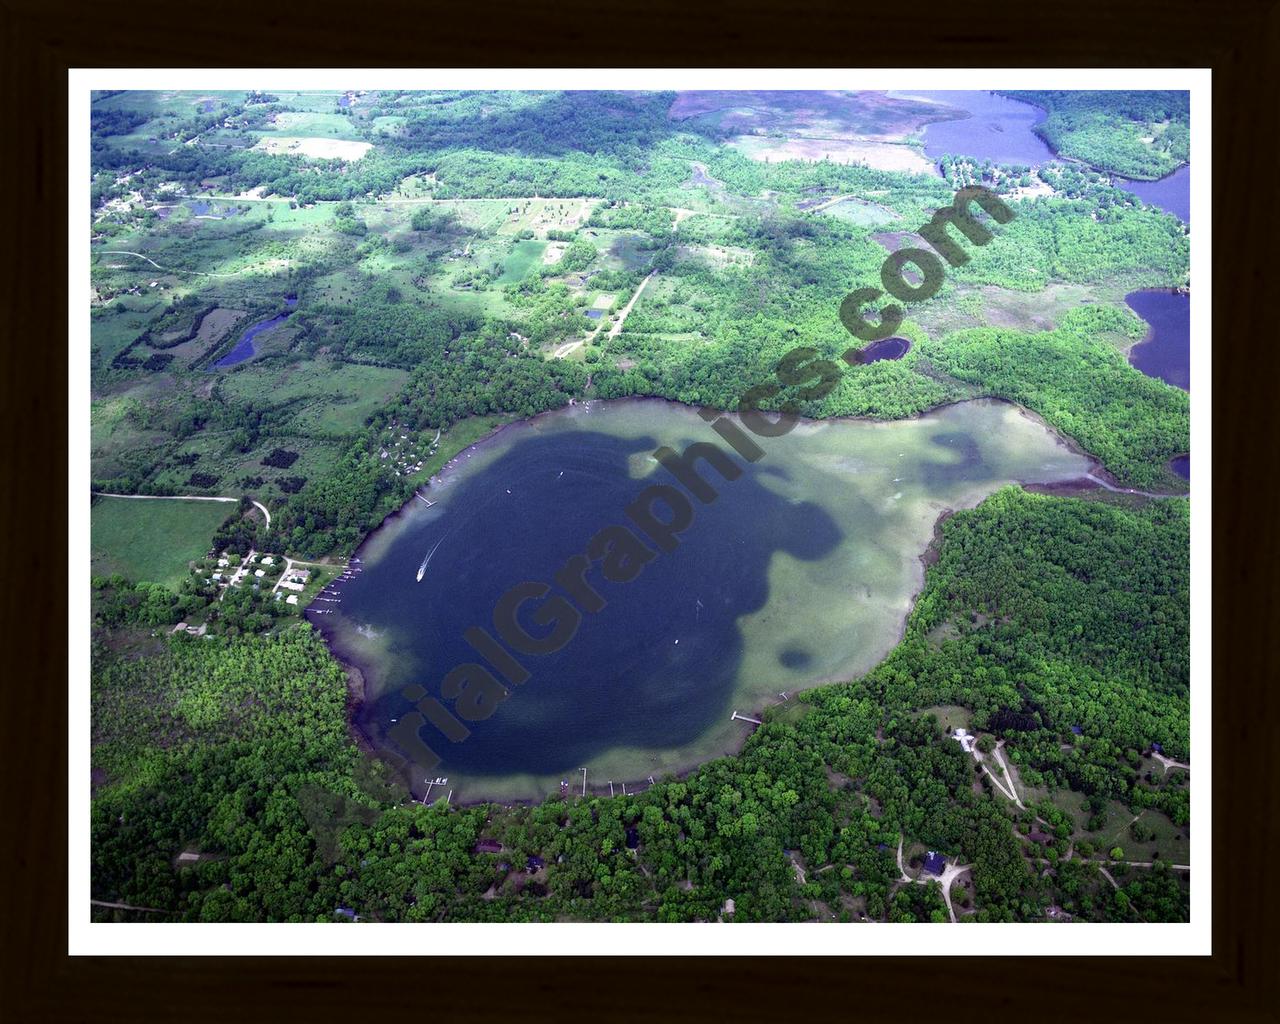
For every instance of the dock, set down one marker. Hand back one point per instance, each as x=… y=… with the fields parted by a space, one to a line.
x=744 y=718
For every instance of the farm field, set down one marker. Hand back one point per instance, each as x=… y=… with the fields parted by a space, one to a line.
x=152 y=540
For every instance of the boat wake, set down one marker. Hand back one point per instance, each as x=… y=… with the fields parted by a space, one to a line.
x=422 y=569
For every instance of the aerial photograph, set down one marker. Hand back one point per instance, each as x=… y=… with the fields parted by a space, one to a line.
x=638 y=506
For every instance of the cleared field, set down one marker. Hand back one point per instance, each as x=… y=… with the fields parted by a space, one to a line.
x=316 y=148
x=331 y=398
x=112 y=328
x=213 y=330
x=950 y=716
x=524 y=256
x=887 y=156
x=388 y=124
x=543 y=215
x=872 y=115
x=862 y=213
x=152 y=540
x=314 y=124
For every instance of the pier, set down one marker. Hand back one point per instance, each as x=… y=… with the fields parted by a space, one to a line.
x=744 y=718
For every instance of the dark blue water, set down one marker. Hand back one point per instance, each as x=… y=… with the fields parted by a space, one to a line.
x=200 y=208
x=244 y=347
x=595 y=314
x=885 y=348
x=654 y=669
x=998 y=128
x=1166 y=354
x=1171 y=193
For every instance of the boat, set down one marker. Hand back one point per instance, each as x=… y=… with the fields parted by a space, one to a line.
x=422 y=569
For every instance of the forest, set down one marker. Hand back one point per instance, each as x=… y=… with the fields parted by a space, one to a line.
x=1141 y=135
x=1081 y=385
x=1040 y=614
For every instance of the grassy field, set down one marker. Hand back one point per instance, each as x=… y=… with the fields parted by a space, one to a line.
x=330 y=398
x=152 y=540
x=524 y=256
x=950 y=716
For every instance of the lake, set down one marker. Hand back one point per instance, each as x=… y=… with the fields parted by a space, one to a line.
x=997 y=129
x=1001 y=130
x=1166 y=352
x=885 y=348
x=802 y=571
x=244 y=347
x=1171 y=193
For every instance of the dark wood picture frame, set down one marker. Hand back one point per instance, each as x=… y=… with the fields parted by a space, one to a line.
x=1238 y=39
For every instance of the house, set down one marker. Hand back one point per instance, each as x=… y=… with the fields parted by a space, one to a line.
x=291 y=599
x=935 y=863
x=268 y=560
x=1077 y=730
x=965 y=740
x=487 y=846
x=291 y=584
x=259 y=573
x=633 y=838
x=534 y=864
x=1043 y=838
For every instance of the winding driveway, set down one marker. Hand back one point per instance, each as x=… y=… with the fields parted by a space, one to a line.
x=1169 y=762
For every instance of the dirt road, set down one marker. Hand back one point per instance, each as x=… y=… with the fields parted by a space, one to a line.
x=571 y=346
x=184 y=497
x=167 y=270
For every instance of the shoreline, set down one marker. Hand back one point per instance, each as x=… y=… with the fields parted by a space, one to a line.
x=357 y=680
